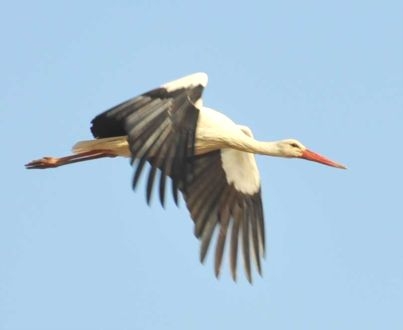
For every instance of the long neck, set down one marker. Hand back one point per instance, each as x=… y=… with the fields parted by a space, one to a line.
x=208 y=139
x=269 y=148
x=249 y=144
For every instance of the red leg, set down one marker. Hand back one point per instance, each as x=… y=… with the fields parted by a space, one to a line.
x=48 y=162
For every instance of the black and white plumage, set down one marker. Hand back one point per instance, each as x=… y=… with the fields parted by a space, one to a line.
x=208 y=157
x=161 y=128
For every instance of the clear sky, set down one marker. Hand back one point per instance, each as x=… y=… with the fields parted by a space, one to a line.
x=80 y=250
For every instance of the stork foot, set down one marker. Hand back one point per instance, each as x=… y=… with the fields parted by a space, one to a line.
x=45 y=162
x=49 y=162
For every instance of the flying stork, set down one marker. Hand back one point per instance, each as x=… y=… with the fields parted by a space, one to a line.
x=209 y=158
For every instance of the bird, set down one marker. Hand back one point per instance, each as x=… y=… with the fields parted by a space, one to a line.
x=209 y=159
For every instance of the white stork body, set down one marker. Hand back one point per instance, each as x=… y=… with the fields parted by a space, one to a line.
x=209 y=158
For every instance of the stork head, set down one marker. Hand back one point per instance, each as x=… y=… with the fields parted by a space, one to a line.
x=294 y=149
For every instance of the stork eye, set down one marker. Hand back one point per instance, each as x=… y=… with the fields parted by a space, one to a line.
x=294 y=145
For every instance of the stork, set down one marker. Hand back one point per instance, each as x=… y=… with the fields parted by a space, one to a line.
x=209 y=158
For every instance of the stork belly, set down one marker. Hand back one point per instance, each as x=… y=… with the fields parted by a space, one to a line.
x=214 y=131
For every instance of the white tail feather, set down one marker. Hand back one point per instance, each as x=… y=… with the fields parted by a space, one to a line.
x=118 y=144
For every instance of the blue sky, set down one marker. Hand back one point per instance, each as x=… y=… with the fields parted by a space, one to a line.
x=80 y=250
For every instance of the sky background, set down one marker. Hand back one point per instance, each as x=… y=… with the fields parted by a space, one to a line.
x=80 y=250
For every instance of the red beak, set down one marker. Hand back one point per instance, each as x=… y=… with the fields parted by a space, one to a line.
x=313 y=156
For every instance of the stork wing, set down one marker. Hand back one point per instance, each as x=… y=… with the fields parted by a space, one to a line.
x=216 y=204
x=160 y=126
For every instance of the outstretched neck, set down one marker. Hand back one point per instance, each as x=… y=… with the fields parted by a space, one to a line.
x=268 y=148
x=208 y=140
x=251 y=145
